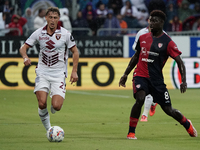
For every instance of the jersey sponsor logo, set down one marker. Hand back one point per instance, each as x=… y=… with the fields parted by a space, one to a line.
x=58 y=36
x=50 y=44
x=144 y=51
x=147 y=60
x=43 y=38
x=143 y=41
x=160 y=45
x=153 y=53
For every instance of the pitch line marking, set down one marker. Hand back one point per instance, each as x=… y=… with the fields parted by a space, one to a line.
x=108 y=95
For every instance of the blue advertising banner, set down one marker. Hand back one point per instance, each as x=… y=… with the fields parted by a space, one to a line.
x=131 y=41
x=194 y=46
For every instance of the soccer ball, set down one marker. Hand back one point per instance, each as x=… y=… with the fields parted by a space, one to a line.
x=55 y=134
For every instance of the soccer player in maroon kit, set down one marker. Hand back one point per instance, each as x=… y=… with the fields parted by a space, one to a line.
x=153 y=50
x=51 y=71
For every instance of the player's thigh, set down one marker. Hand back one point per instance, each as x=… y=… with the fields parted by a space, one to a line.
x=161 y=95
x=42 y=83
x=58 y=88
x=42 y=98
x=57 y=101
x=140 y=84
x=41 y=89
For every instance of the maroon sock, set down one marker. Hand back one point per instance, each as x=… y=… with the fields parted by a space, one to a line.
x=132 y=124
x=185 y=123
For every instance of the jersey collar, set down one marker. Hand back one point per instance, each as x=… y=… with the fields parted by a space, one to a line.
x=44 y=30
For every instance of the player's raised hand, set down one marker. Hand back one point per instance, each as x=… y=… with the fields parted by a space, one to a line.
x=74 y=77
x=183 y=87
x=122 y=80
x=27 y=61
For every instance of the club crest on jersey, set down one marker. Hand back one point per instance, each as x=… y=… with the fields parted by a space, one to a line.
x=58 y=36
x=160 y=45
x=138 y=86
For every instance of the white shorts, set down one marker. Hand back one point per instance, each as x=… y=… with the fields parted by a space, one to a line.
x=48 y=83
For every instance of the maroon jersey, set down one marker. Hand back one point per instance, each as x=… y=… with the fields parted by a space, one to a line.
x=154 y=53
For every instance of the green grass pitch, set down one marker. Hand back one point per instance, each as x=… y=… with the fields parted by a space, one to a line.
x=95 y=120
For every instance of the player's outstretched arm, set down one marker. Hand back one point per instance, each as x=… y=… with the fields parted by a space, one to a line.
x=182 y=70
x=130 y=67
x=22 y=51
x=74 y=75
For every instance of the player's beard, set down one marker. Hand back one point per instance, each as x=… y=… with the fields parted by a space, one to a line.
x=52 y=26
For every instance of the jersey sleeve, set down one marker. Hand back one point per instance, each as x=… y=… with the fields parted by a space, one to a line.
x=137 y=47
x=141 y=32
x=32 y=40
x=172 y=50
x=70 y=41
x=135 y=42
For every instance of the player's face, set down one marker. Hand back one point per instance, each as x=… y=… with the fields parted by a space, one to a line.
x=52 y=19
x=155 y=23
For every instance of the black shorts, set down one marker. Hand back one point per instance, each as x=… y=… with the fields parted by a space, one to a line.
x=159 y=92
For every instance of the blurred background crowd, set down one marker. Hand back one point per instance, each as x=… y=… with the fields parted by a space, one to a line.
x=100 y=17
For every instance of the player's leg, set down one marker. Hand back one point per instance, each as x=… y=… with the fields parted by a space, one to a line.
x=176 y=114
x=152 y=109
x=41 y=90
x=140 y=88
x=147 y=105
x=165 y=102
x=56 y=103
x=42 y=108
x=135 y=113
x=136 y=109
x=57 y=93
x=161 y=95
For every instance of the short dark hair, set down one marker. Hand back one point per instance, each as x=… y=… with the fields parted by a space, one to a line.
x=158 y=13
x=53 y=9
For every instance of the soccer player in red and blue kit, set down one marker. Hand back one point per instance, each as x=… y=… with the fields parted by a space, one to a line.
x=153 y=50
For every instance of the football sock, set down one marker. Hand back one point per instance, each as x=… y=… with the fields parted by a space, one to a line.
x=185 y=123
x=45 y=118
x=147 y=105
x=53 y=111
x=132 y=124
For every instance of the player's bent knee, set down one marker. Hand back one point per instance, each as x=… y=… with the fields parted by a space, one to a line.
x=57 y=102
x=57 y=107
x=140 y=97
x=168 y=110
x=176 y=112
x=140 y=101
x=42 y=105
